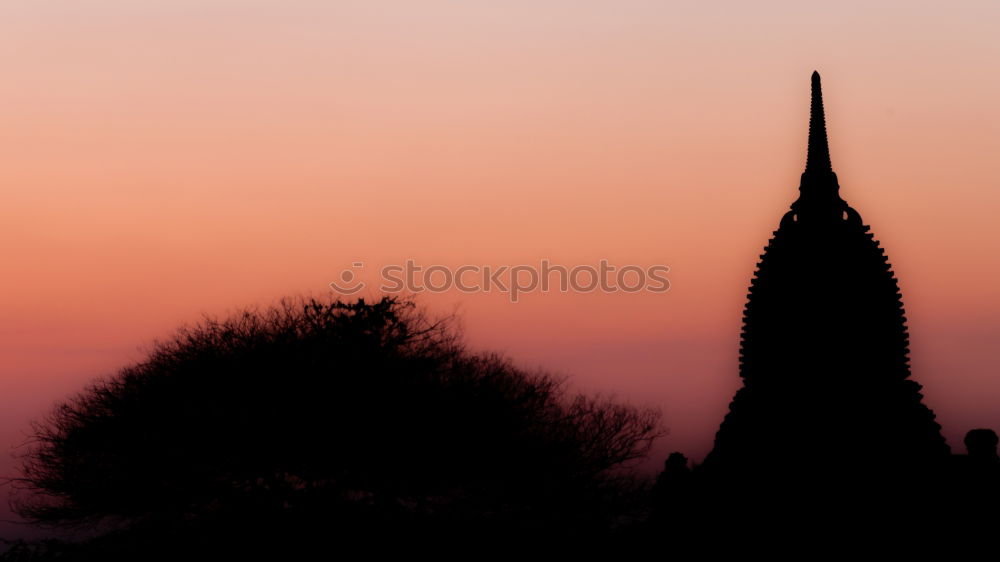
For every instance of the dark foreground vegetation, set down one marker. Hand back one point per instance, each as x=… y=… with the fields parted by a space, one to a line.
x=314 y=425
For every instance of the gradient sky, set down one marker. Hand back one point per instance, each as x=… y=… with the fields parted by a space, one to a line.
x=162 y=160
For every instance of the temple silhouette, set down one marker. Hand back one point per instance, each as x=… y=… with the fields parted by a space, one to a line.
x=823 y=355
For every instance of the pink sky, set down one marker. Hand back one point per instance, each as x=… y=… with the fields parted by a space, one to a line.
x=162 y=160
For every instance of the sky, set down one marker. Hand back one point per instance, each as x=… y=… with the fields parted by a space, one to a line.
x=162 y=161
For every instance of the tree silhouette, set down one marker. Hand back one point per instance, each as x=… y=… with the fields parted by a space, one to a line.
x=358 y=417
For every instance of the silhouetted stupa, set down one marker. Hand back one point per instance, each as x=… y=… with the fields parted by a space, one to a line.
x=823 y=354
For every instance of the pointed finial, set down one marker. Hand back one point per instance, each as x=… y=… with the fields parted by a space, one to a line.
x=818 y=156
x=819 y=199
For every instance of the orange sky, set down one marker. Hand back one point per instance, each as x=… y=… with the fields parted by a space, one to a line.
x=161 y=160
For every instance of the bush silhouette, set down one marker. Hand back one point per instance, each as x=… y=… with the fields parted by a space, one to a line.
x=355 y=417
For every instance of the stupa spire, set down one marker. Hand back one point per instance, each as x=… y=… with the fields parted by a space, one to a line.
x=818 y=156
x=819 y=196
